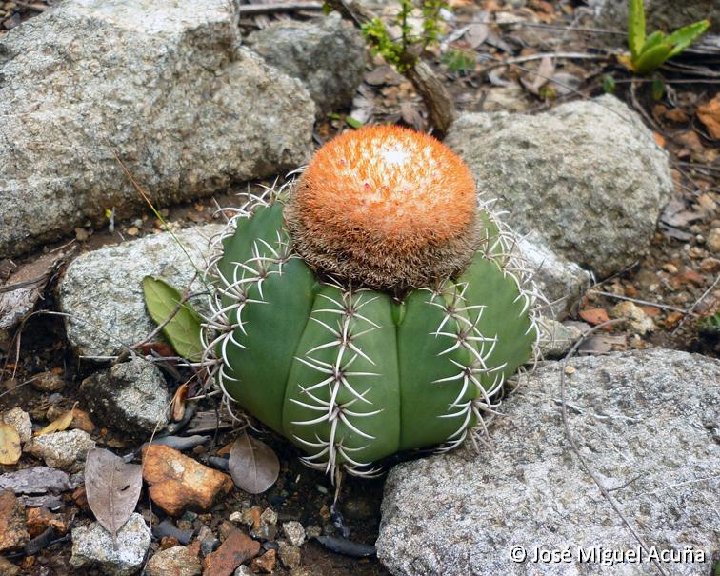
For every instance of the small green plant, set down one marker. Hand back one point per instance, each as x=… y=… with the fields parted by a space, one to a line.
x=647 y=54
x=459 y=60
x=404 y=51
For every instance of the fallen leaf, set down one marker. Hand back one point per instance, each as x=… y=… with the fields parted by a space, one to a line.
x=60 y=423
x=541 y=76
x=709 y=115
x=179 y=402
x=10 y=449
x=594 y=316
x=254 y=467
x=476 y=34
x=184 y=328
x=113 y=488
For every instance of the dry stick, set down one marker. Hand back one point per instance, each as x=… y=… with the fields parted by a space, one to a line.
x=638 y=301
x=573 y=445
x=541 y=55
x=439 y=102
x=695 y=305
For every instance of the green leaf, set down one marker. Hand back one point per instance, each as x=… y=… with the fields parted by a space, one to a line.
x=184 y=328
x=653 y=40
x=657 y=88
x=652 y=59
x=636 y=27
x=683 y=37
x=353 y=122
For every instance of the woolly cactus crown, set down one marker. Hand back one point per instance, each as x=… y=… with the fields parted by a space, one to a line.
x=385 y=207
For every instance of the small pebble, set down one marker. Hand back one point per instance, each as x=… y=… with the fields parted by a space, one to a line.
x=290 y=556
x=49 y=381
x=20 y=420
x=713 y=241
x=294 y=532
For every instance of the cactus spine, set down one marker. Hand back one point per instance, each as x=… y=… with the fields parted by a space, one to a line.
x=358 y=335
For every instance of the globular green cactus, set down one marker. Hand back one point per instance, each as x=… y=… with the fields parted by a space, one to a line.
x=375 y=307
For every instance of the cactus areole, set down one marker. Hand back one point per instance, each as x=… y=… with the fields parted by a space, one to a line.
x=373 y=306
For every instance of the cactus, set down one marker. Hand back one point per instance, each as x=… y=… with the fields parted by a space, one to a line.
x=375 y=307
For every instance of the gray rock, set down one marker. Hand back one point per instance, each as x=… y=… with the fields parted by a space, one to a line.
x=20 y=420
x=161 y=86
x=35 y=480
x=586 y=176
x=665 y=15
x=102 y=290
x=92 y=547
x=556 y=339
x=66 y=449
x=648 y=422
x=560 y=281
x=132 y=397
x=329 y=57
x=294 y=532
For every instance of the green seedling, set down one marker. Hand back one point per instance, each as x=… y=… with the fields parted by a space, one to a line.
x=648 y=53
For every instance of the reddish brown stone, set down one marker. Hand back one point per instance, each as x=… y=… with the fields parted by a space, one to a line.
x=40 y=519
x=13 y=532
x=178 y=483
x=264 y=564
x=237 y=549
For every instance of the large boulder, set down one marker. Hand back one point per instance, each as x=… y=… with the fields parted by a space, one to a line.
x=646 y=422
x=329 y=57
x=160 y=88
x=587 y=177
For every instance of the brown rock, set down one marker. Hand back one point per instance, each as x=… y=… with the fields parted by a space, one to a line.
x=265 y=564
x=290 y=556
x=175 y=561
x=237 y=548
x=40 y=519
x=178 y=482
x=7 y=568
x=13 y=533
x=677 y=116
x=49 y=381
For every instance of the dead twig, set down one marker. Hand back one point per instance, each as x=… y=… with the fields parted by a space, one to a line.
x=640 y=302
x=692 y=308
x=541 y=55
x=574 y=447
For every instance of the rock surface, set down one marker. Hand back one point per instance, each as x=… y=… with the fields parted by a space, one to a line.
x=161 y=86
x=92 y=547
x=586 y=176
x=648 y=422
x=66 y=449
x=174 y=561
x=328 y=56
x=102 y=290
x=560 y=281
x=660 y=14
x=13 y=533
x=132 y=397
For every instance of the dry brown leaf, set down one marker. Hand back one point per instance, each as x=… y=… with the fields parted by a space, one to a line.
x=709 y=115
x=476 y=34
x=541 y=76
x=179 y=402
x=594 y=316
x=113 y=488
x=254 y=467
x=10 y=449
x=62 y=422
